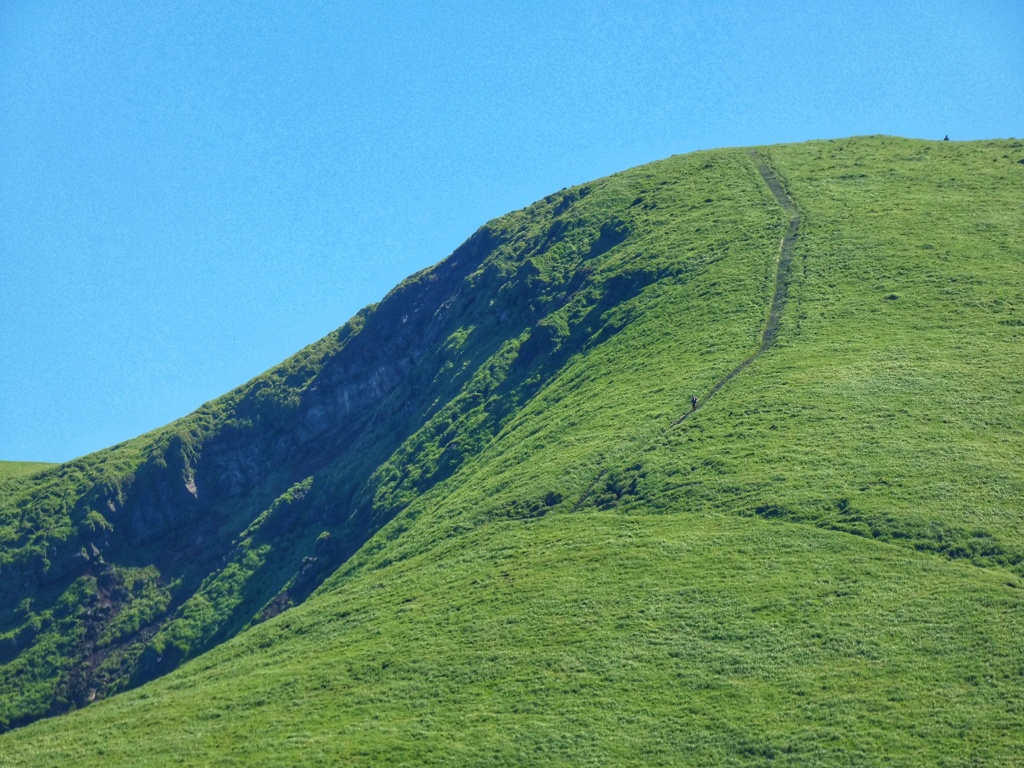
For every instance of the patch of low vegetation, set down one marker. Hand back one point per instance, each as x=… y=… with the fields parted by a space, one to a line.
x=473 y=527
x=14 y=469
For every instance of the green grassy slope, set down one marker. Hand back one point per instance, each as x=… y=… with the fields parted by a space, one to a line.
x=820 y=566
x=120 y=565
x=892 y=406
x=10 y=469
x=598 y=638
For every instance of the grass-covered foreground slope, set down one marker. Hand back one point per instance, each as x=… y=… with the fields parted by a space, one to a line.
x=597 y=638
x=821 y=565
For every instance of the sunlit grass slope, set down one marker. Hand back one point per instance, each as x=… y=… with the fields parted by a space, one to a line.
x=893 y=404
x=9 y=469
x=597 y=638
x=821 y=566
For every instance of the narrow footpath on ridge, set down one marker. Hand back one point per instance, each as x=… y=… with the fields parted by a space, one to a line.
x=771 y=327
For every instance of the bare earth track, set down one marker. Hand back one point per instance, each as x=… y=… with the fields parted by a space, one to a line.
x=771 y=327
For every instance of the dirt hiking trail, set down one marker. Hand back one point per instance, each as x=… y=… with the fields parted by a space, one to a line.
x=771 y=327
x=778 y=301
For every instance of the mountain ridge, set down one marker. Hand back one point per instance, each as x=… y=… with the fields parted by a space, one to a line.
x=259 y=446
x=562 y=345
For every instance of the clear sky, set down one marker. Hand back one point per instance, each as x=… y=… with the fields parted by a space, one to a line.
x=190 y=192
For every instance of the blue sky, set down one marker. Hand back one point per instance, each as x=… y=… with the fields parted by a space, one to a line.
x=190 y=192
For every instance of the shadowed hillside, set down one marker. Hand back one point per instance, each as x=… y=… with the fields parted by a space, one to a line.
x=507 y=536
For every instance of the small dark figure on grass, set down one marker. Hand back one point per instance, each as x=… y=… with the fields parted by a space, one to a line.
x=693 y=403
x=947 y=137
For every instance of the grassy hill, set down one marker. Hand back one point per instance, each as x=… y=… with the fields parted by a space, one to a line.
x=505 y=536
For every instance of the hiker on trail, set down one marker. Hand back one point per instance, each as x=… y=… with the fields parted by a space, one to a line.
x=693 y=402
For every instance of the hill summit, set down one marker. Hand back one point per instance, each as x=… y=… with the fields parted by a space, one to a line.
x=712 y=461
